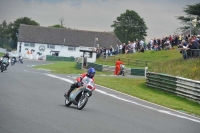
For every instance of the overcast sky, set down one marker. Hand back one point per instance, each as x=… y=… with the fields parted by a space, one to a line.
x=97 y=15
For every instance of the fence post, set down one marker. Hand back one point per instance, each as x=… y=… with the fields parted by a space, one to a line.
x=145 y=72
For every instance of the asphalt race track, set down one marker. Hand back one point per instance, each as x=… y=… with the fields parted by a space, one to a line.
x=31 y=101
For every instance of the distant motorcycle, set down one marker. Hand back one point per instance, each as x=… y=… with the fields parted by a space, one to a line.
x=122 y=70
x=80 y=96
x=4 y=64
x=21 y=59
x=13 y=61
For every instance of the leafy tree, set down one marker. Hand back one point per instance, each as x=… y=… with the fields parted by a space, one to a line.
x=57 y=26
x=192 y=11
x=5 y=41
x=129 y=26
x=14 y=27
x=3 y=29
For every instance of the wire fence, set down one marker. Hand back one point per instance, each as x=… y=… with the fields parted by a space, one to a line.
x=191 y=53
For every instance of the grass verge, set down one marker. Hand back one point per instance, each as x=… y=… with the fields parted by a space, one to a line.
x=60 y=67
x=1 y=54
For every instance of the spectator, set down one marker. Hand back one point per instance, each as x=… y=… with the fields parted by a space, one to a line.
x=120 y=48
x=179 y=39
x=168 y=45
x=111 y=50
x=117 y=49
x=123 y=48
x=133 y=46
x=193 y=49
x=182 y=47
x=142 y=50
x=141 y=44
x=151 y=43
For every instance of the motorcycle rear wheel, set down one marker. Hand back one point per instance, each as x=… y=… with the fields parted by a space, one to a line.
x=82 y=102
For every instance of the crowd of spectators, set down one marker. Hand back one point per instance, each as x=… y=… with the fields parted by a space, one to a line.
x=190 y=48
x=164 y=43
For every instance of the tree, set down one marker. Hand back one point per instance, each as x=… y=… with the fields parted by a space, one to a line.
x=57 y=26
x=192 y=11
x=5 y=41
x=3 y=29
x=14 y=27
x=129 y=26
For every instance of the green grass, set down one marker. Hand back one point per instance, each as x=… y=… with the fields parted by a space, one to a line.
x=178 y=67
x=60 y=67
x=138 y=88
x=1 y=54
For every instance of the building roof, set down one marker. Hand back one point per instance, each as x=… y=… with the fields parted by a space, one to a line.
x=63 y=36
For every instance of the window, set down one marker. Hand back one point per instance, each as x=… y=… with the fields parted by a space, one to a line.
x=71 y=48
x=26 y=44
x=51 y=46
x=32 y=44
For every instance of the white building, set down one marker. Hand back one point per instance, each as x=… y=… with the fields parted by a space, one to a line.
x=36 y=41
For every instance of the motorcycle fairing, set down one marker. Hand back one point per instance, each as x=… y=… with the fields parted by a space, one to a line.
x=75 y=93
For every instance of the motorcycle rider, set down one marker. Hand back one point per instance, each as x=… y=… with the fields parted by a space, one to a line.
x=14 y=58
x=20 y=59
x=90 y=73
x=7 y=56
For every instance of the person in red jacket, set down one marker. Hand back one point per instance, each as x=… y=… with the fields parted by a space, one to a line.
x=117 y=67
x=90 y=73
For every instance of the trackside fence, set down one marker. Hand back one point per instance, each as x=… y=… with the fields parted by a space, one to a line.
x=183 y=87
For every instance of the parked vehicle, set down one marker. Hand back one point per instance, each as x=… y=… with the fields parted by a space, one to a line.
x=80 y=95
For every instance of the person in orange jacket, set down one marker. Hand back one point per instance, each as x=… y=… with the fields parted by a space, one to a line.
x=117 y=68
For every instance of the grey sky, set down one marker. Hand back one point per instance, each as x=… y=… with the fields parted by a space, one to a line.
x=97 y=15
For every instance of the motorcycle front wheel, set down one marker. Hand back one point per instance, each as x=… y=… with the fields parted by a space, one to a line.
x=2 y=67
x=67 y=102
x=82 y=101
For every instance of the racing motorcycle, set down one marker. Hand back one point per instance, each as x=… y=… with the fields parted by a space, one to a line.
x=21 y=59
x=4 y=63
x=80 y=95
x=13 y=61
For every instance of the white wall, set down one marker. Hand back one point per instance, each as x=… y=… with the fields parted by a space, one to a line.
x=2 y=50
x=63 y=51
